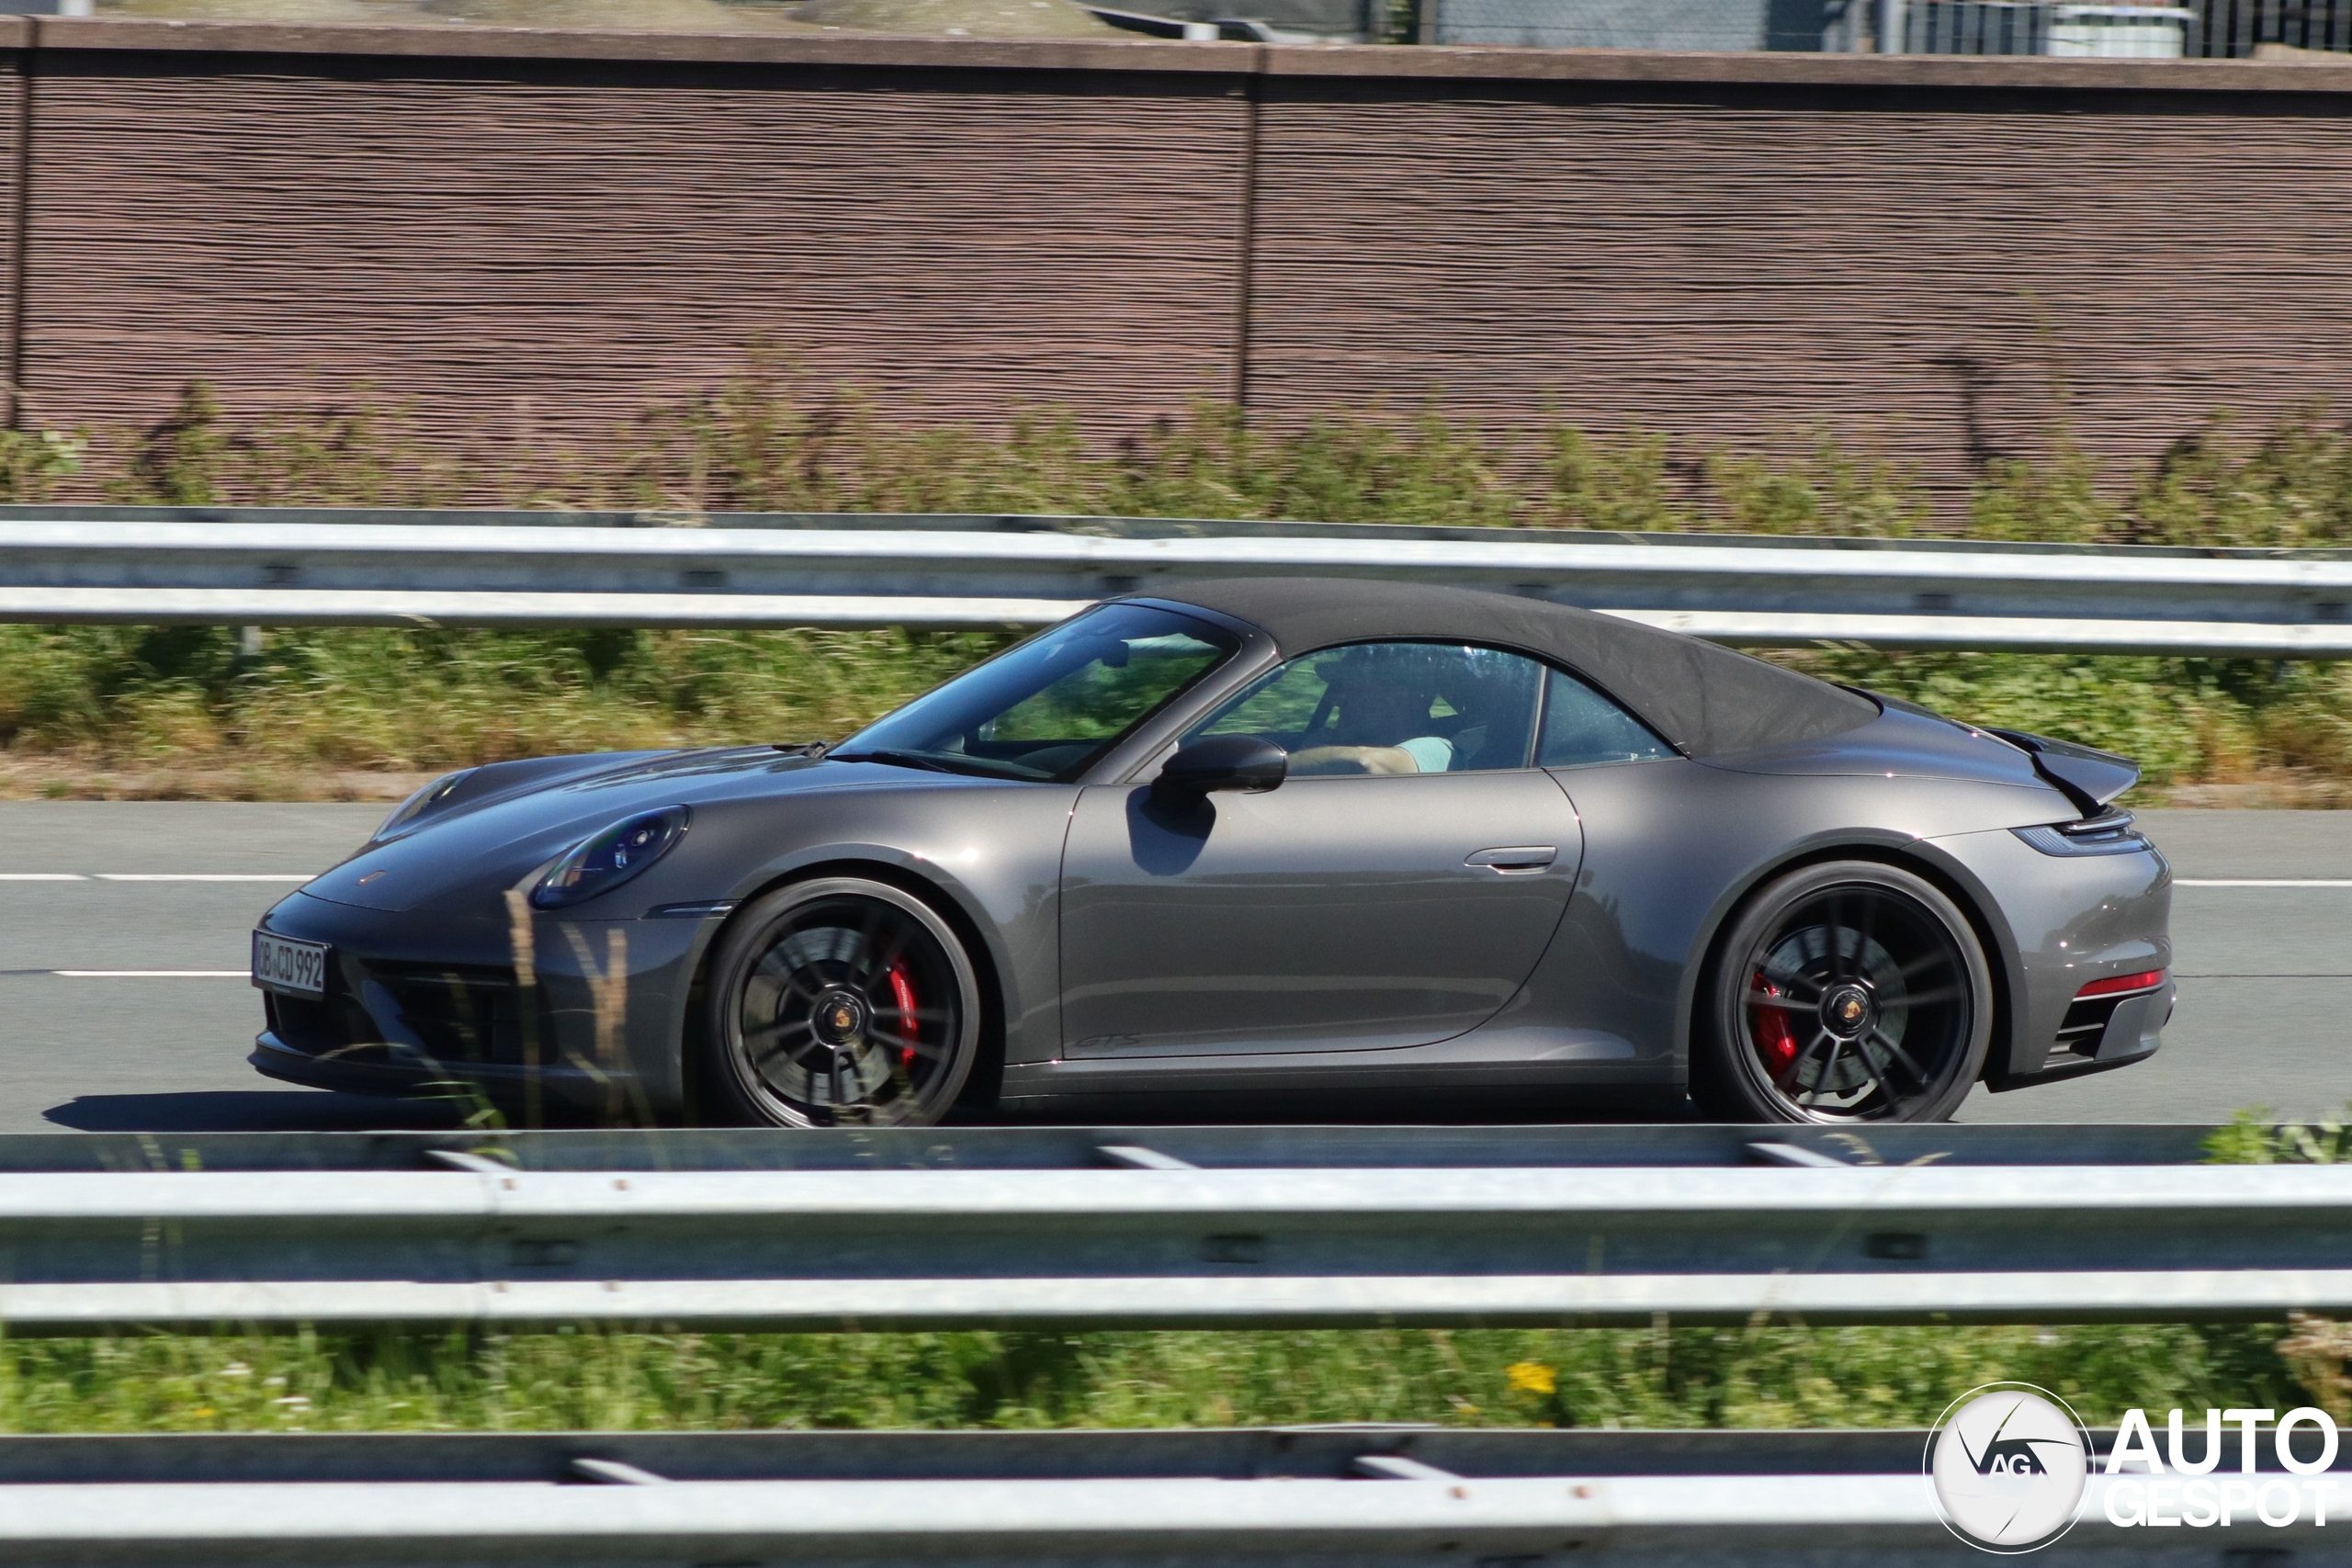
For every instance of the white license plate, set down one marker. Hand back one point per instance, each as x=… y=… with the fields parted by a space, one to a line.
x=282 y=965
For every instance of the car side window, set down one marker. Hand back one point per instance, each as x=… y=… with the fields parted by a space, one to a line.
x=1581 y=727
x=1392 y=707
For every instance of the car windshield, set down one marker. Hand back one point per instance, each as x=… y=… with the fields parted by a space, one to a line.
x=1046 y=709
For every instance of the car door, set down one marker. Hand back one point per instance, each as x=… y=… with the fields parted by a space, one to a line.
x=1395 y=890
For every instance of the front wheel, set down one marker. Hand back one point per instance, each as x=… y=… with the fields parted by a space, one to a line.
x=1849 y=991
x=840 y=1002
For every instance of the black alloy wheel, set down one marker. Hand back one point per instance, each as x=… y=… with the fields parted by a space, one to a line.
x=1849 y=991
x=840 y=1002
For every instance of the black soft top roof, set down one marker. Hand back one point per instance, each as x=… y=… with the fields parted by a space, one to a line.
x=1708 y=701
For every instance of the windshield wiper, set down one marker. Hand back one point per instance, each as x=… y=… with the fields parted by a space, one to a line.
x=964 y=767
x=896 y=759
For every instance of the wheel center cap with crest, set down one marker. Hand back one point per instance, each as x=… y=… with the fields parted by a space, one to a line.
x=1847 y=1010
x=840 y=1018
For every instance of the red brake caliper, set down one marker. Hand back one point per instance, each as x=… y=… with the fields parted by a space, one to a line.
x=1773 y=1036
x=902 y=991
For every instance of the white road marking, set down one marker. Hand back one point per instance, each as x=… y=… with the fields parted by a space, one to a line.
x=198 y=876
x=152 y=973
x=2262 y=882
x=155 y=876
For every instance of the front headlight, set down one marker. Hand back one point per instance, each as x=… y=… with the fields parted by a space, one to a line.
x=422 y=801
x=611 y=858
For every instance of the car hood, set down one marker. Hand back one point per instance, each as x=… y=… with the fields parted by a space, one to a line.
x=505 y=822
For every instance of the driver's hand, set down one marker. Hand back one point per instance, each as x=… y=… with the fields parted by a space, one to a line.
x=1353 y=760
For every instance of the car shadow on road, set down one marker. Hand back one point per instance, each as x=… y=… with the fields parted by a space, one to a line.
x=1368 y=1108
x=253 y=1110
x=322 y=1110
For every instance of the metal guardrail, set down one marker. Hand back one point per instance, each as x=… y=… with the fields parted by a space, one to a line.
x=1483 y=1146
x=1170 y=1522
x=1357 y=1495
x=1071 y=1225
x=259 y=567
x=1229 y=1453
x=964 y=1204
x=1144 y=1238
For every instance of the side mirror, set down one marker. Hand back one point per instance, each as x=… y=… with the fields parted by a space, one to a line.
x=1220 y=762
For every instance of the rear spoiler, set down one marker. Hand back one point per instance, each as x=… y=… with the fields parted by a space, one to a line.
x=2088 y=777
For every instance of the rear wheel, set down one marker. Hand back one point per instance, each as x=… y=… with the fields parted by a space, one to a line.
x=1849 y=991
x=840 y=1002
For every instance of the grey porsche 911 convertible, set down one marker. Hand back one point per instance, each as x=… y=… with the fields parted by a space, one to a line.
x=1258 y=837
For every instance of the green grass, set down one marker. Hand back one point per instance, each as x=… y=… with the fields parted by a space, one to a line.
x=76 y=700
x=765 y=441
x=1766 y=1376
x=188 y=699
x=411 y=700
x=1774 y=1377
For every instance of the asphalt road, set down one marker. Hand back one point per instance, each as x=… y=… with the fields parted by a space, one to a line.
x=148 y=1028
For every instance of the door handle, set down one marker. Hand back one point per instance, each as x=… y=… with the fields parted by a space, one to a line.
x=1518 y=860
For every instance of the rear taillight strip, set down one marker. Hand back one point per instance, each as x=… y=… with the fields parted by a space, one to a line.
x=2120 y=984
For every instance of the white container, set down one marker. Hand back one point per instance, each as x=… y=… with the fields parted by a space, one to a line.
x=2118 y=32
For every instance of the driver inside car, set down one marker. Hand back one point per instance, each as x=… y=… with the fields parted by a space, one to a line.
x=1382 y=715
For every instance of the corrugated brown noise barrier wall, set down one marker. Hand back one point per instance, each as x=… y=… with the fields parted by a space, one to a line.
x=531 y=235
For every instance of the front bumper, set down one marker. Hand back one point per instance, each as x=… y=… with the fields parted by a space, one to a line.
x=408 y=1075
x=414 y=1002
